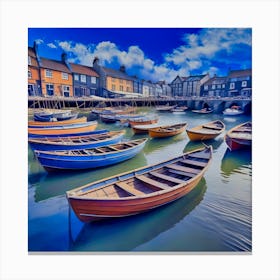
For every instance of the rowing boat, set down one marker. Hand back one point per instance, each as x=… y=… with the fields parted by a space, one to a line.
x=62 y=129
x=76 y=142
x=141 y=129
x=164 y=108
x=206 y=131
x=142 y=189
x=167 y=130
x=143 y=120
x=90 y=158
x=239 y=137
x=203 y=111
x=56 y=123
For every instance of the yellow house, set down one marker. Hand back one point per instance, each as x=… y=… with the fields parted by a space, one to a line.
x=56 y=78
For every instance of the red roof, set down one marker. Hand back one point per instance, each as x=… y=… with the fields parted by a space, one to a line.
x=82 y=69
x=54 y=65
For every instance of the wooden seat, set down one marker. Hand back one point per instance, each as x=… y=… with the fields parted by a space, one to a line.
x=194 y=162
x=152 y=182
x=114 y=148
x=129 y=189
x=166 y=177
x=201 y=155
x=184 y=168
x=211 y=127
x=99 y=150
x=190 y=175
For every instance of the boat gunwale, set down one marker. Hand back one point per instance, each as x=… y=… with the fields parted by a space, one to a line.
x=196 y=129
x=72 y=194
x=228 y=134
x=63 y=127
x=181 y=126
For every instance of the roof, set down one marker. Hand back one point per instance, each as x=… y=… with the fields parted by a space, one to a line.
x=195 y=78
x=82 y=69
x=33 y=57
x=54 y=65
x=240 y=73
x=216 y=80
x=117 y=74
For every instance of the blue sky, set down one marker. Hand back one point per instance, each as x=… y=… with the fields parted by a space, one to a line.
x=150 y=53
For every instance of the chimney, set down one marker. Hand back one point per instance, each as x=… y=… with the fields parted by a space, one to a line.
x=35 y=47
x=64 y=57
x=96 y=60
x=122 y=68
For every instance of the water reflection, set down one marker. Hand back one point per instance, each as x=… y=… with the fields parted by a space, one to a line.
x=193 y=145
x=55 y=184
x=125 y=234
x=233 y=161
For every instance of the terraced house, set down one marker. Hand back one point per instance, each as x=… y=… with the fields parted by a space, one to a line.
x=34 y=79
x=240 y=83
x=216 y=86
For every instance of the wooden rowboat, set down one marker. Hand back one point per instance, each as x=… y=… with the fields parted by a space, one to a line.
x=76 y=142
x=239 y=137
x=143 y=120
x=203 y=111
x=56 y=123
x=141 y=129
x=140 y=190
x=167 y=130
x=206 y=131
x=90 y=158
x=63 y=129
x=164 y=108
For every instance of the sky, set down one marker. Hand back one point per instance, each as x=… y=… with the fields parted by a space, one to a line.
x=150 y=53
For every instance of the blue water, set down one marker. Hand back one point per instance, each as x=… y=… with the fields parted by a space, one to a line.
x=215 y=217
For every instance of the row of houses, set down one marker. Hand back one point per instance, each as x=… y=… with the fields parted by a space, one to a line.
x=48 y=77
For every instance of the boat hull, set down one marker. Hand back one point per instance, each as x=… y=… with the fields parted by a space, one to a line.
x=94 y=210
x=77 y=128
x=158 y=134
x=56 y=123
x=62 y=162
x=237 y=144
x=196 y=136
x=133 y=123
x=52 y=146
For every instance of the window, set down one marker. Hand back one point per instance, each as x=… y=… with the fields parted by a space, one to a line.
x=66 y=91
x=76 y=77
x=29 y=74
x=113 y=87
x=30 y=89
x=218 y=86
x=206 y=87
x=29 y=60
x=50 y=89
x=83 y=91
x=128 y=89
x=121 y=81
x=244 y=84
x=223 y=85
x=93 y=80
x=121 y=88
x=213 y=86
x=92 y=91
x=64 y=76
x=48 y=73
x=231 y=86
x=83 y=78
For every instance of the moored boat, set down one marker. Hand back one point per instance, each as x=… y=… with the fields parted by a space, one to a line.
x=90 y=158
x=143 y=120
x=233 y=111
x=179 y=109
x=203 y=111
x=206 y=131
x=239 y=137
x=76 y=142
x=47 y=115
x=164 y=108
x=167 y=130
x=140 y=190
x=141 y=129
x=63 y=129
x=108 y=118
x=56 y=123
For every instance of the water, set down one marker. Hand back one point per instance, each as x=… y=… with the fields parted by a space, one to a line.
x=215 y=217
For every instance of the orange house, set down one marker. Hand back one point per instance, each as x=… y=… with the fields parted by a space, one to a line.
x=34 y=84
x=56 y=78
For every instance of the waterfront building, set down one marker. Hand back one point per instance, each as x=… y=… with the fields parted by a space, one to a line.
x=215 y=86
x=85 y=80
x=166 y=89
x=188 y=86
x=34 y=80
x=148 y=88
x=158 y=90
x=240 y=83
x=56 y=77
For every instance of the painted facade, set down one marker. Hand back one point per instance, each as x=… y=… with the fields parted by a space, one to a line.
x=239 y=83
x=34 y=80
x=216 y=86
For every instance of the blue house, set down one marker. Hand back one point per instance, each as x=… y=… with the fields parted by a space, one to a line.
x=239 y=83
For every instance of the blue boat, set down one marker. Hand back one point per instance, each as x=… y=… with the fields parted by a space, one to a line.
x=35 y=136
x=90 y=158
x=76 y=142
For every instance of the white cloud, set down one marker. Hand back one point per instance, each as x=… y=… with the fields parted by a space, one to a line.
x=52 y=46
x=39 y=41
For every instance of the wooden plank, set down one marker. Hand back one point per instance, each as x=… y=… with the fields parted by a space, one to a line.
x=194 y=162
x=129 y=189
x=97 y=149
x=181 y=173
x=152 y=182
x=183 y=168
x=166 y=177
x=201 y=155
x=211 y=127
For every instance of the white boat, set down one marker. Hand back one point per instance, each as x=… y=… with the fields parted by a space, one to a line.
x=232 y=112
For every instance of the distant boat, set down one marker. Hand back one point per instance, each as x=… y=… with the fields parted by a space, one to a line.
x=53 y=114
x=206 y=131
x=63 y=129
x=90 y=158
x=141 y=129
x=179 y=109
x=165 y=108
x=56 y=123
x=143 y=120
x=203 y=111
x=233 y=111
x=239 y=137
x=167 y=130
x=76 y=142
x=140 y=190
x=108 y=118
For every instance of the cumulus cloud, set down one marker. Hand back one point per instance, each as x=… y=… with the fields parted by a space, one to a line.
x=39 y=41
x=199 y=53
x=52 y=46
